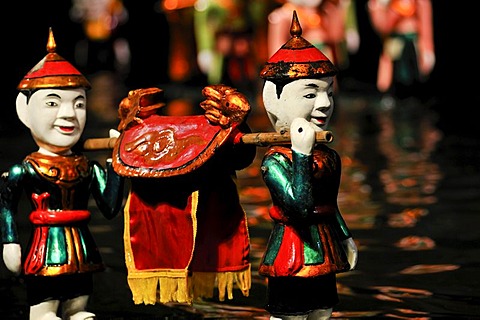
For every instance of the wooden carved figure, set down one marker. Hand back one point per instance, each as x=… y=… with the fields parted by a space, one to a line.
x=310 y=242
x=185 y=231
x=61 y=256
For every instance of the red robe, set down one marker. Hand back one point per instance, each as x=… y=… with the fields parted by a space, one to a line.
x=185 y=229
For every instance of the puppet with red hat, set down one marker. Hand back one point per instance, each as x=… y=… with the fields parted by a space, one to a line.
x=310 y=242
x=61 y=256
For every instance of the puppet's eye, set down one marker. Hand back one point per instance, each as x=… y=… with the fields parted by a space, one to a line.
x=51 y=104
x=310 y=96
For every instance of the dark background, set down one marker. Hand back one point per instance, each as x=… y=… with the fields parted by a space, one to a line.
x=452 y=85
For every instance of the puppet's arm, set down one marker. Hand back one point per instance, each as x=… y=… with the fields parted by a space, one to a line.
x=352 y=252
x=10 y=192
x=291 y=184
x=303 y=141
x=107 y=189
x=425 y=41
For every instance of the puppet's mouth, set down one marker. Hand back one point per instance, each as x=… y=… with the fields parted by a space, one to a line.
x=65 y=129
x=319 y=120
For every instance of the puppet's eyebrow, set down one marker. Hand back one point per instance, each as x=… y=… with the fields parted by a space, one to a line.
x=53 y=95
x=315 y=86
x=312 y=85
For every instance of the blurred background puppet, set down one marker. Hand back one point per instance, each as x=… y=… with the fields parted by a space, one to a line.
x=61 y=256
x=102 y=48
x=330 y=25
x=407 y=57
x=226 y=33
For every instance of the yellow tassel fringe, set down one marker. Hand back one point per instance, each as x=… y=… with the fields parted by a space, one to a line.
x=165 y=287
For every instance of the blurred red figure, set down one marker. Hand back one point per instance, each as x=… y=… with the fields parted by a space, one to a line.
x=330 y=25
x=406 y=30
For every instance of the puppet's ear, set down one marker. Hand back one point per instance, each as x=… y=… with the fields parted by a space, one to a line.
x=22 y=109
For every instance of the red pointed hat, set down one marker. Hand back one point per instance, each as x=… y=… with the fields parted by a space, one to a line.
x=297 y=59
x=53 y=71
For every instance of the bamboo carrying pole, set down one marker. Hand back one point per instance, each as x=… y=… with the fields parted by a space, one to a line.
x=261 y=139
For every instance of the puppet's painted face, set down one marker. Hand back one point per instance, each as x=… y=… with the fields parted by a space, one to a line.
x=311 y=99
x=56 y=117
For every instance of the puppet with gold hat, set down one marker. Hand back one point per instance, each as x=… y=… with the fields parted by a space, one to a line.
x=61 y=256
x=310 y=242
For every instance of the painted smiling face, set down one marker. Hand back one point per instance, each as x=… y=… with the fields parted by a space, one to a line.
x=311 y=99
x=55 y=117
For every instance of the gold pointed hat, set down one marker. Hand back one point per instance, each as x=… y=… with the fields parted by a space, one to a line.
x=297 y=59
x=53 y=71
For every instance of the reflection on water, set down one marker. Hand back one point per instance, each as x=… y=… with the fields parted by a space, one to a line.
x=415 y=243
x=406 y=218
x=390 y=182
x=386 y=154
x=422 y=269
x=407 y=138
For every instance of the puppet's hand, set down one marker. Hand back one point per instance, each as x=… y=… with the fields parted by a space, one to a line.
x=112 y=133
x=205 y=60
x=302 y=135
x=224 y=106
x=12 y=257
x=139 y=105
x=427 y=62
x=352 y=252
x=353 y=40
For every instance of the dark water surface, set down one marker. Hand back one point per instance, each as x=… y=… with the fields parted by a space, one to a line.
x=410 y=194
